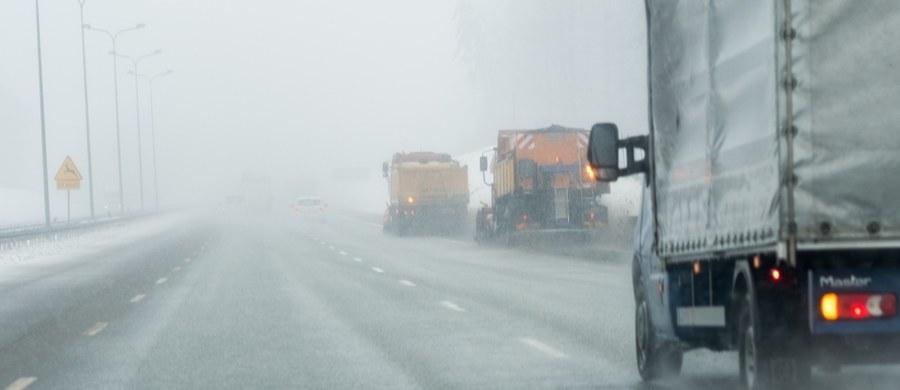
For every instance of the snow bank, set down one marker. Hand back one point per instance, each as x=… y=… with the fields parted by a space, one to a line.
x=66 y=245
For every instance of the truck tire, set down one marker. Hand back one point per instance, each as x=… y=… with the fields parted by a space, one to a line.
x=758 y=360
x=653 y=359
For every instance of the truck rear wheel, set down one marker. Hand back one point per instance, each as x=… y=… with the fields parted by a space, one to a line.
x=653 y=360
x=768 y=364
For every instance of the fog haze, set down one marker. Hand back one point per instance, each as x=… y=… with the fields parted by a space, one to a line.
x=300 y=89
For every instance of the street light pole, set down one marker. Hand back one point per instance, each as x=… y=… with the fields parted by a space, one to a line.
x=87 y=118
x=150 y=80
x=137 y=108
x=37 y=12
x=114 y=37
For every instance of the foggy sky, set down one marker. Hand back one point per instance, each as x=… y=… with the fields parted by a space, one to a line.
x=294 y=89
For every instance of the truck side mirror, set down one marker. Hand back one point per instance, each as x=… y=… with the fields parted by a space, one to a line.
x=483 y=163
x=384 y=169
x=603 y=151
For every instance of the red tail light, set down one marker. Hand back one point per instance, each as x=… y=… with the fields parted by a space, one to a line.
x=592 y=215
x=524 y=217
x=775 y=274
x=834 y=306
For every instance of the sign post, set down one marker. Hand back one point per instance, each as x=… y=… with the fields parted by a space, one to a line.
x=68 y=178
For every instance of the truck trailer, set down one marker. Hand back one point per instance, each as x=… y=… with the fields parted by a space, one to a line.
x=770 y=222
x=428 y=192
x=542 y=186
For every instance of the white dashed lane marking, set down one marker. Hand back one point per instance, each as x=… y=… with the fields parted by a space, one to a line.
x=546 y=349
x=379 y=270
x=407 y=283
x=176 y=269
x=452 y=306
x=92 y=331
x=331 y=247
x=343 y=253
x=137 y=298
x=187 y=260
x=357 y=259
x=21 y=383
x=161 y=280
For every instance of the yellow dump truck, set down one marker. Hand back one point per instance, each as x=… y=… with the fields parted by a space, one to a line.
x=428 y=192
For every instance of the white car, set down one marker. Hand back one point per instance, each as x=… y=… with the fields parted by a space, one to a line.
x=310 y=206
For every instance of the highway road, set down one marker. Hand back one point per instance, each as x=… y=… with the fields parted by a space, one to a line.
x=275 y=301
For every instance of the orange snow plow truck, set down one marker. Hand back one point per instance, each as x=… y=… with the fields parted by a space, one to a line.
x=543 y=186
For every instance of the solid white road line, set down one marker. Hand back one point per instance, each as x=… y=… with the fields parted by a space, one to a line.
x=137 y=298
x=21 y=383
x=379 y=270
x=331 y=247
x=176 y=269
x=407 y=283
x=452 y=306
x=92 y=331
x=357 y=259
x=161 y=280
x=546 y=349
x=343 y=253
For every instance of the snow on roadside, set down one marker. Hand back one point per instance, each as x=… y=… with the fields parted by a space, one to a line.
x=67 y=244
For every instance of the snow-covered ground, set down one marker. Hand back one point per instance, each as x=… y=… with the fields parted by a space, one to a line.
x=70 y=244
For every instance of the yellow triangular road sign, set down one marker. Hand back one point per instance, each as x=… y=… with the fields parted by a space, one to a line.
x=68 y=177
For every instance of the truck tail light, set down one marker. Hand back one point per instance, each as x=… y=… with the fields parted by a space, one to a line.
x=857 y=306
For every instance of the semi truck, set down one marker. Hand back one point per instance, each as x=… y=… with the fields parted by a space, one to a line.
x=770 y=220
x=543 y=187
x=428 y=192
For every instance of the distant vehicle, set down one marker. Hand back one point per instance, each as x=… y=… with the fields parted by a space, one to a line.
x=428 y=191
x=543 y=185
x=310 y=206
x=769 y=220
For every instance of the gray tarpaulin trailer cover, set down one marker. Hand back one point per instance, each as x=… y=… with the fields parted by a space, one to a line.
x=729 y=79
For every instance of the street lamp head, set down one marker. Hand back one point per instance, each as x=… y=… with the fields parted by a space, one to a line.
x=157 y=51
x=170 y=71
x=130 y=72
x=112 y=53
x=140 y=25
x=87 y=26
